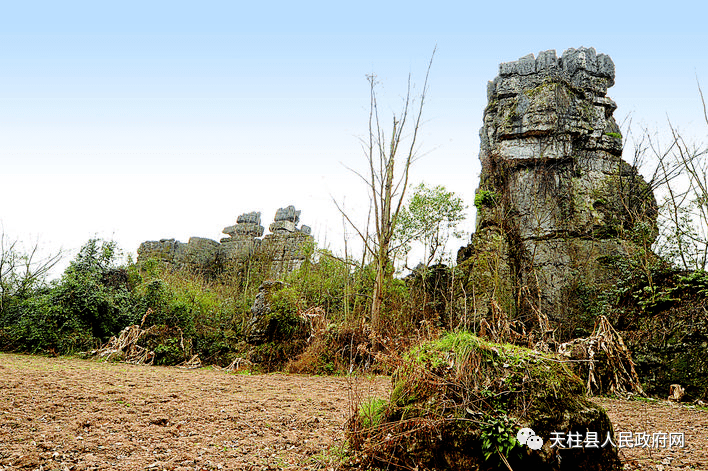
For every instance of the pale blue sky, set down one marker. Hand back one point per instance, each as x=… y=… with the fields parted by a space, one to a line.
x=152 y=119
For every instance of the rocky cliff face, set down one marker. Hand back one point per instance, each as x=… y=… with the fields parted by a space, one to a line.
x=555 y=197
x=282 y=248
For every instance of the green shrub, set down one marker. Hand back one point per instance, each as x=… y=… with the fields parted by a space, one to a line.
x=91 y=302
x=284 y=319
x=485 y=198
x=86 y=295
x=210 y=313
x=498 y=436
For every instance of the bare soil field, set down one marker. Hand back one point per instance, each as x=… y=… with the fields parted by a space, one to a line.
x=637 y=417
x=71 y=414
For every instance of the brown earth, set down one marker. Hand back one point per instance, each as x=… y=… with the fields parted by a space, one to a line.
x=637 y=417
x=71 y=414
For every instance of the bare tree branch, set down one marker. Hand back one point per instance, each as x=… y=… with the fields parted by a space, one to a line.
x=386 y=189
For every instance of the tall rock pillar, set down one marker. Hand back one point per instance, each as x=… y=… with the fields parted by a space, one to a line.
x=555 y=198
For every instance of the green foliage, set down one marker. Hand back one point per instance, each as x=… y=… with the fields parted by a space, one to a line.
x=91 y=302
x=641 y=287
x=209 y=314
x=372 y=411
x=461 y=344
x=431 y=216
x=96 y=298
x=42 y=326
x=87 y=292
x=169 y=352
x=662 y=315
x=498 y=435
x=284 y=319
x=616 y=135
x=485 y=198
x=324 y=282
x=697 y=280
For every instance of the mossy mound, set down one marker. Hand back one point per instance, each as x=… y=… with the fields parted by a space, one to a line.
x=458 y=403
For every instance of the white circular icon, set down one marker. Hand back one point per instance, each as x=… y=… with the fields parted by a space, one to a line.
x=534 y=442
x=524 y=435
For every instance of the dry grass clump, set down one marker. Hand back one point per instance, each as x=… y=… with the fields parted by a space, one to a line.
x=605 y=361
x=157 y=343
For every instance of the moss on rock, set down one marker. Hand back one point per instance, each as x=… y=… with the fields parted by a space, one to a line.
x=458 y=402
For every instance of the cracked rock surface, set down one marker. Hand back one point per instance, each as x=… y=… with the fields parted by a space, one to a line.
x=555 y=197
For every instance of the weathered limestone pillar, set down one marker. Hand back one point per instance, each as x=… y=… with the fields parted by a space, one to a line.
x=555 y=199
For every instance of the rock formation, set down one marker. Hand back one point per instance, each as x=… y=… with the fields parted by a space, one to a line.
x=261 y=325
x=555 y=198
x=282 y=249
x=283 y=246
x=448 y=408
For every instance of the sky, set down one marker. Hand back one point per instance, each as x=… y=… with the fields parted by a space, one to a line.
x=137 y=121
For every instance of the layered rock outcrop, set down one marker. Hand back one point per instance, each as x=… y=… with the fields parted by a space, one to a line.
x=555 y=197
x=282 y=249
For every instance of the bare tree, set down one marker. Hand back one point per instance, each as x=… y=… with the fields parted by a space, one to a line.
x=389 y=159
x=680 y=173
x=21 y=271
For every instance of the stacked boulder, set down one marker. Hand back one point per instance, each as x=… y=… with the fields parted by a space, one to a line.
x=243 y=240
x=247 y=225
x=284 y=246
x=555 y=199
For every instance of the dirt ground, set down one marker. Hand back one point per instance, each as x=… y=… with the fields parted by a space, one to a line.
x=636 y=417
x=70 y=414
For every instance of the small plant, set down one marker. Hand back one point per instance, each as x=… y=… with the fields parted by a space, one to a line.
x=616 y=135
x=498 y=434
x=485 y=198
x=697 y=280
x=372 y=412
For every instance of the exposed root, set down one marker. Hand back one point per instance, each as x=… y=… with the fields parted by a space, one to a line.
x=238 y=364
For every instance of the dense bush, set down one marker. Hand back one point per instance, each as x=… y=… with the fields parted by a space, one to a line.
x=89 y=295
x=78 y=312
x=96 y=298
x=320 y=314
